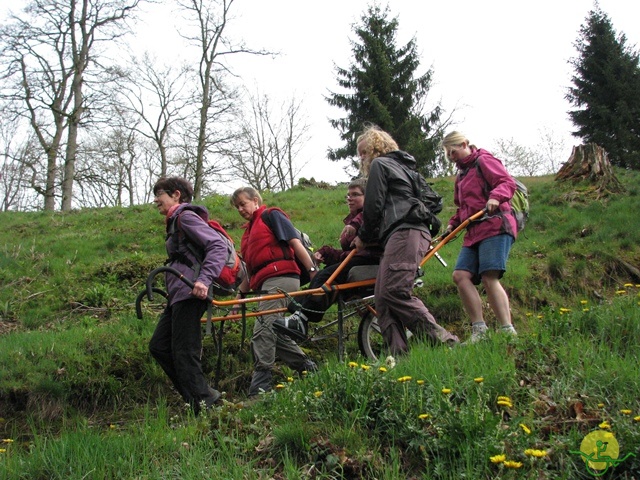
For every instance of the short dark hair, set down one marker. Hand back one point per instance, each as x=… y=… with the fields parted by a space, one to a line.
x=359 y=183
x=171 y=184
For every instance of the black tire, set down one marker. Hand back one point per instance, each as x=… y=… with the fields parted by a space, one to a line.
x=370 y=339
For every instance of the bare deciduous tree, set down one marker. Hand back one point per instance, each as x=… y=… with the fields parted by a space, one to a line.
x=551 y=149
x=518 y=159
x=159 y=97
x=210 y=19
x=106 y=170
x=46 y=54
x=268 y=146
x=14 y=169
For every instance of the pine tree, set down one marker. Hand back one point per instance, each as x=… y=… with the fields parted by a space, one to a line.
x=605 y=92
x=383 y=91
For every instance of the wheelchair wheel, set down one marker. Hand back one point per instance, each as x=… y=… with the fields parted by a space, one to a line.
x=370 y=339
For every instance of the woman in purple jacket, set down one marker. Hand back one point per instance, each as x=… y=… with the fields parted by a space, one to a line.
x=176 y=343
x=482 y=182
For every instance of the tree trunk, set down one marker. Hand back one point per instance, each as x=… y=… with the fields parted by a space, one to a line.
x=589 y=162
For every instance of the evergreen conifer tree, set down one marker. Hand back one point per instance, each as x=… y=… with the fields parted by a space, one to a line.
x=383 y=90
x=606 y=91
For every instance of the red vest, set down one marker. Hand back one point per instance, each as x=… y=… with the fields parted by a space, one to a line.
x=263 y=253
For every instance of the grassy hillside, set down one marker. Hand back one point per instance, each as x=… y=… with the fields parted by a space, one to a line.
x=73 y=356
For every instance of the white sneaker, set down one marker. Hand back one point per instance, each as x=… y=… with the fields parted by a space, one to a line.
x=478 y=334
x=508 y=329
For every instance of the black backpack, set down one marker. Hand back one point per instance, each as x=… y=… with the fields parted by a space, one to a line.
x=430 y=205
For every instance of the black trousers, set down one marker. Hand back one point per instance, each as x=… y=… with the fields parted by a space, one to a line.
x=176 y=345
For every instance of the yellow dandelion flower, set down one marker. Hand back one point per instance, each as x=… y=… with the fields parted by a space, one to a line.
x=605 y=425
x=498 y=458
x=420 y=382
x=317 y=394
x=564 y=310
x=478 y=379
x=636 y=419
x=404 y=379
x=7 y=440
x=289 y=379
x=112 y=426
x=279 y=386
x=601 y=405
x=512 y=464
x=382 y=369
x=585 y=309
x=584 y=302
x=528 y=314
x=628 y=285
x=637 y=285
x=365 y=367
x=3 y=450
x=304 y=372
x=532 y=452
x=424 y=416
x=353 y=364
x=504 y=403
x=504 y=398
x=620 y=292
x=625 y=411
x=446 y=391
x=540 y=316
x=525 y=429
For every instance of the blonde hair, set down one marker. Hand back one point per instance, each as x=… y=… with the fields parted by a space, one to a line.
x=454 y=139
x=377 y=142
x=250 y=192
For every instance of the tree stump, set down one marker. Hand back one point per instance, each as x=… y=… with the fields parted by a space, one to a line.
x=589 y=162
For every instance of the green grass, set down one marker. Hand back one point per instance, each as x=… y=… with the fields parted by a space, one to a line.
x=81 y=398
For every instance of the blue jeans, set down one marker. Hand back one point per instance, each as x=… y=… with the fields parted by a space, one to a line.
x=490 y=254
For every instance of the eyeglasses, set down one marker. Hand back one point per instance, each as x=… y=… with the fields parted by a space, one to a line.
x=354 y=195
x=157 y=195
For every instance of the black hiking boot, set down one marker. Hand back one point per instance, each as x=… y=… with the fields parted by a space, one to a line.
x=295 y=326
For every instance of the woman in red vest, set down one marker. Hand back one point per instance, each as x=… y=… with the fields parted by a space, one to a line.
x=268 y=252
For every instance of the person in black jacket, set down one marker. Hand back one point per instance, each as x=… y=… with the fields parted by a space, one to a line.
x=389 y=221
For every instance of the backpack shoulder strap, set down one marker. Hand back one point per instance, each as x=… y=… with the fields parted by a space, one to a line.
x=182 y=237
x=266 y=218
x=476 y=165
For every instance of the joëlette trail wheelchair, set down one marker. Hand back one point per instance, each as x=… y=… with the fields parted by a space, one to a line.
x=353 y=299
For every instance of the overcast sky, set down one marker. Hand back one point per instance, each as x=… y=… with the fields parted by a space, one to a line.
x=501 y=64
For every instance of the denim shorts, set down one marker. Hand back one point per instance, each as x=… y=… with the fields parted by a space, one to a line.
x=489 y=254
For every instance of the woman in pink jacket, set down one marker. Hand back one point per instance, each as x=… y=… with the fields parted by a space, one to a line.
x=482 y=182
